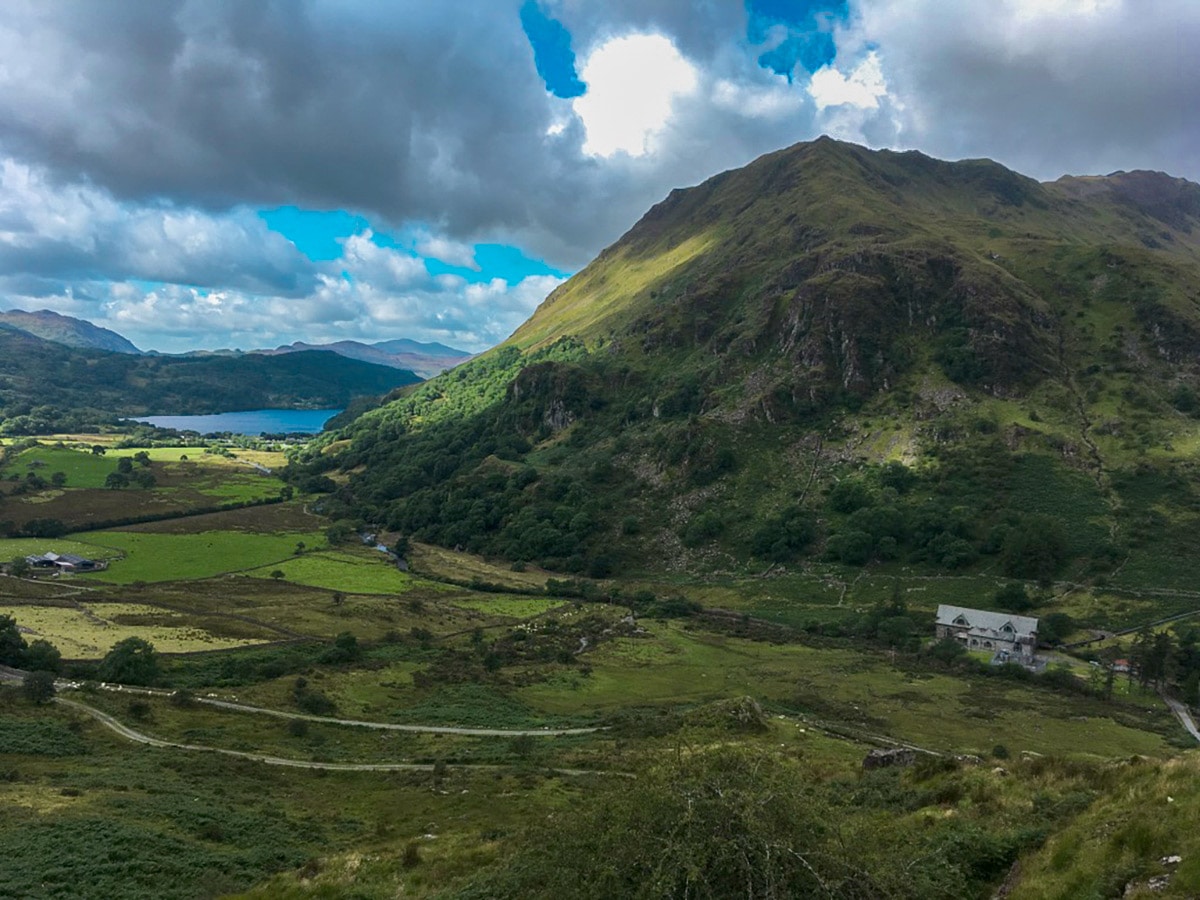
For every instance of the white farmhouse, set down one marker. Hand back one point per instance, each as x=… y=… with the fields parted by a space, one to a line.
x=1007 y=636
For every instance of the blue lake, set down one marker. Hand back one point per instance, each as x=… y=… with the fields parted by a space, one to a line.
x=254 y=421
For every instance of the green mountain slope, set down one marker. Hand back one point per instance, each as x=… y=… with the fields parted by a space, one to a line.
x=833 y=353
x=72 y=332
x=45 y=386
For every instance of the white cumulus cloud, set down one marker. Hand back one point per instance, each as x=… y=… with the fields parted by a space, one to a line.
x=633 y=83
x=863 y=87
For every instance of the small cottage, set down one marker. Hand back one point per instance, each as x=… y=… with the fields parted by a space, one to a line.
x=1007 y=636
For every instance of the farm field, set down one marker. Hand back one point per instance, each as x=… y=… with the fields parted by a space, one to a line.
x=52 y=489
x=154 y=557
x=364 y=572
x=89 y=630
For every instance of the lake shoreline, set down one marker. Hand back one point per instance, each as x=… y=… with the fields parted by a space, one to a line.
x=251 y=422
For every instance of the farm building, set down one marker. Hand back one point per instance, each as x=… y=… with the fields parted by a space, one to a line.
x=1007 y=636
x=63 y=562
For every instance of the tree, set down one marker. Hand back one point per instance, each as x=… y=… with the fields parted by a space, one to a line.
x=343 y=650
x=38 y=687
x=19 y=567
x=124 y=465
x=948 y=651
x=12 y=645
x=132 y=661
x=116 y=480
x=1054 y=628
x=143 y=479
x=1012 y=597
x=99 y=449
x=58 y=479
x=1035 y=549
x=43 y=656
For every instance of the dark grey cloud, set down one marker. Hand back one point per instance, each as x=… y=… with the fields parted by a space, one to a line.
x=406 y=111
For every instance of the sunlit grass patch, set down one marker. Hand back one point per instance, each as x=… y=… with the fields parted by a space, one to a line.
x=350 y=573
x=88 y=631
x=515 y=607
x=177 y=557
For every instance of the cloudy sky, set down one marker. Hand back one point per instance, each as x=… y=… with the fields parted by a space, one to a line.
x=203 y=174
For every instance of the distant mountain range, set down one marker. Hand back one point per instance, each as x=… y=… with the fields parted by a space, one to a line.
x=46 y=387
x=50 y=326
x=425 y=360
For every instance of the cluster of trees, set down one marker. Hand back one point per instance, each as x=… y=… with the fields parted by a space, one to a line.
x=947 y=516
x=1166 y=659
x=39 y=655
x=126 y=474
x=40 y=658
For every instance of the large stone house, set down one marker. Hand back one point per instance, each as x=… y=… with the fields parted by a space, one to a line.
x=1007 y=636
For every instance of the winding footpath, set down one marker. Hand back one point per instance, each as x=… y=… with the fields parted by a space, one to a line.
x=1182 y=714
x=16 y=675
x=138 y=737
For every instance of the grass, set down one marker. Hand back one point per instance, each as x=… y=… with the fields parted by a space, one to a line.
x=177 y=557
x=510 y=607
x=82 y=468
x=88 y=631
x=336 y=570
x=440 y=562
x=862 y=689
x=165 y=824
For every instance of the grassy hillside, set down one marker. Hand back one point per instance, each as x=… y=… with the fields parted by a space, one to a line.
x=869 y=358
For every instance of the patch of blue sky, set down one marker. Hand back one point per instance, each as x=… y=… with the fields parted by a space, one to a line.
x=552 y=53
x=496 y=261
x=808 y=39
x=318 y=234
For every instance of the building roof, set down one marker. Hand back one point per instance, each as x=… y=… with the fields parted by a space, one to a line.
x=983 y=620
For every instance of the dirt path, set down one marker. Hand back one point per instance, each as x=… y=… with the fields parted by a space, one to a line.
x=138 y=737
x=15 y=675
x=1182 y=714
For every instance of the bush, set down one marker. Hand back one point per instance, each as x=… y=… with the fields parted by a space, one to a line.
x=38 y=687
x=131 y=661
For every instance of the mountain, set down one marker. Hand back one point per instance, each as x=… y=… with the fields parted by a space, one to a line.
x=66 y=330
x=861 y=357
x=425 y=360
x=47 y=387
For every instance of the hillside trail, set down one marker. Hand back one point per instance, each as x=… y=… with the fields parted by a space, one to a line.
x=1183 y=715
x=138 y=737
x=16 y=675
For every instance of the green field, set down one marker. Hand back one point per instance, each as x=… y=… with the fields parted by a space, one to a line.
x=352 y=573
x=178 y=557
x=82 y=468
